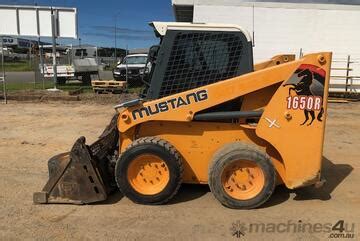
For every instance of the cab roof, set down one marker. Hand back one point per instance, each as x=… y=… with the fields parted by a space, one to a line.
x=162 y=27
x=134 y=55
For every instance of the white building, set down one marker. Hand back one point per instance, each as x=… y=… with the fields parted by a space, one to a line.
x=283 y=27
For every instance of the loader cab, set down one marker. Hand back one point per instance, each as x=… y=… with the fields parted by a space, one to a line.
x=193 y=55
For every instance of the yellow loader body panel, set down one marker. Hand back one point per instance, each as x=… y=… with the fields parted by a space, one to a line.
x=290 y=129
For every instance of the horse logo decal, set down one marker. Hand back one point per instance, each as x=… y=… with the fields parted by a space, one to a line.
x=307 y=83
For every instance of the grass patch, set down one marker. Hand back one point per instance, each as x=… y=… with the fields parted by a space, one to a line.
x=18 y=66
x=18 y=86
x=10 y=86
x=75 y=86
x=135 y=90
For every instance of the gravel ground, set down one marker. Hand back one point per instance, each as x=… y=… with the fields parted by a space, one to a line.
x=30 y=133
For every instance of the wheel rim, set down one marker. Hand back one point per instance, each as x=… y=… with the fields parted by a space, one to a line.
x=243 y=179
x=148 y=174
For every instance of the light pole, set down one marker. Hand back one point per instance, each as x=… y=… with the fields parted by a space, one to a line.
x=81 y=55
x=115 y=52
x=115 y=40
x=54 y=35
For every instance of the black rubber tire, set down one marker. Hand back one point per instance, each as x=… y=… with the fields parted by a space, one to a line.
x=137 y=82
x=237 y=151
x=160 y=148
x=61 y=80
x=117 y=78
x=86 y=79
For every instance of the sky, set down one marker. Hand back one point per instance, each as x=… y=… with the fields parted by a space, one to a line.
x=96 y=20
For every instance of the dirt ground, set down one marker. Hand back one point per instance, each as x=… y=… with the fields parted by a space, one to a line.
x=30 y=133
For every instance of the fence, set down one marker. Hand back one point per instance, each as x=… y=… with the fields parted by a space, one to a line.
x=2 y=80
x=345 y=75
x=25 y=74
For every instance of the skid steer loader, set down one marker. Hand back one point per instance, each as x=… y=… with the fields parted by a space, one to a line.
x=208 y=115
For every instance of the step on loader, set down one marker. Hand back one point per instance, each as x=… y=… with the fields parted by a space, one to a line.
x=208 y=115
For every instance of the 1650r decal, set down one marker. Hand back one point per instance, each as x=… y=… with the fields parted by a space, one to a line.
x=304 y=102
x=308 y=84
x=170 y=104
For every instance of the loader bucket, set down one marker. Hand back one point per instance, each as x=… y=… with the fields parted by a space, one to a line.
x=83 y=175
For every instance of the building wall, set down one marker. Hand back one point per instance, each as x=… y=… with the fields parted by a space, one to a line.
x=287 y=28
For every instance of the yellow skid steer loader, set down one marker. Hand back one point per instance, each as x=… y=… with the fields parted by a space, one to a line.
x=208 y=115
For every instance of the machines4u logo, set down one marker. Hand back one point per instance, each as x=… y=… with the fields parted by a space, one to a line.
x=307 y=83
x=238 y=229
x=339 y=229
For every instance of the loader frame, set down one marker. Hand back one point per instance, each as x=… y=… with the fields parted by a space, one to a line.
x=210 y=116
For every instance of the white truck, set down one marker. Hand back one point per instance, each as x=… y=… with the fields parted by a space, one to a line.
x=73 y=63
x=133 y=68
x=9 y=54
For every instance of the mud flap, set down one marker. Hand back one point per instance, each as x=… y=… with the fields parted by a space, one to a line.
x=82 y=175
